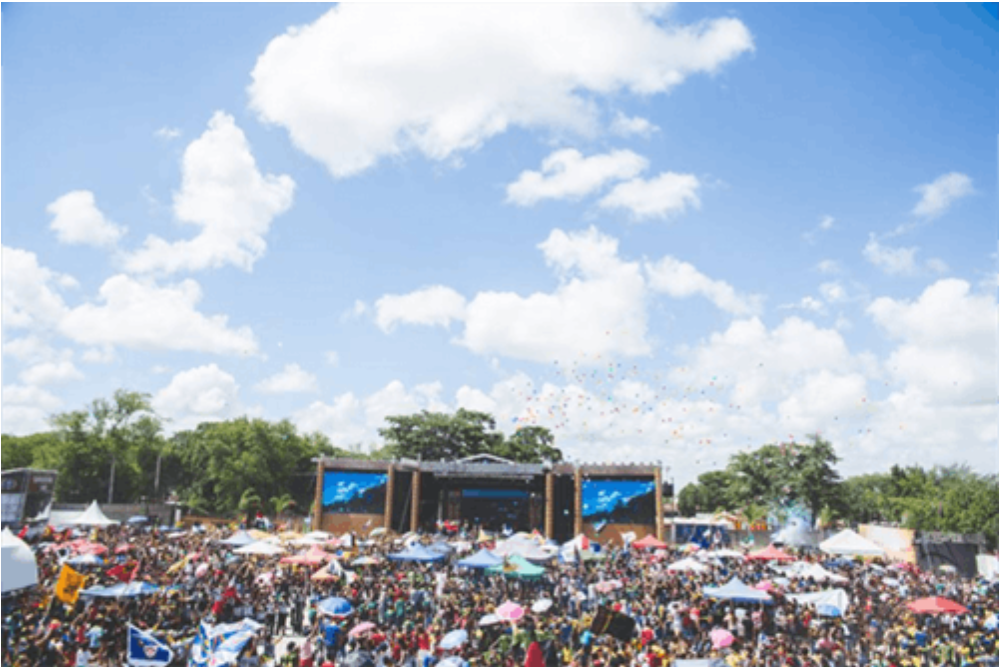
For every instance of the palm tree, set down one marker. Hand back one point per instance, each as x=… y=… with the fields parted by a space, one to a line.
x=249 y=503
x=282 y=504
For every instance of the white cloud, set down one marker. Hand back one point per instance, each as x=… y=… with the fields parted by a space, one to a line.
x=827 y=223
x=829 y=266
x=598 y=308
x=26 y=409
x=29 y=349
x=50 y=372
x=948 y=341
x=833 y=292
x=893 y=261
x=808 y=303
x=937 y=265
x=567 y=174
x=201 y=394
x=78 y=221
x=430 y=306
x=105 y=354
x=941 y=193
x=763 y=365
x=291 y=379
x=332 y=358
x=358 y=309
x=658 y=197
x=30 y=297
x=366 y=82
x=145 y=316
x=222 y=193
x=680 y=280
x=167 y=133
x=629 y=126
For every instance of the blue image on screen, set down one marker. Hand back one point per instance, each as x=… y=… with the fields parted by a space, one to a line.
x=347 y=492
x=617 y=500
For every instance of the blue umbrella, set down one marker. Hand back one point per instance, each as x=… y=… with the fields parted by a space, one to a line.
x=335 y=607
x=453 y=640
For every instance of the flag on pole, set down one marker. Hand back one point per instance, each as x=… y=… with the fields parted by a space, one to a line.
x=69 y=584
x=145 y=650
x=217 y=645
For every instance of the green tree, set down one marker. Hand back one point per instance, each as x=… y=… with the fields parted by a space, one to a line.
x=29 y=451
x=532 y=444
x=434 y=436
x=109 y=437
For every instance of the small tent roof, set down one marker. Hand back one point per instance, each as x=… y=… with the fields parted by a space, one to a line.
x=240 y=538
x=770 y=553
x=481 y=560
x=418 y=553
x=825 y=601
x=519 y=568
x=92 y=516
x=19 y=567
x=850 y=543
x=649 y=542
x=260 y=548
x=737 y=590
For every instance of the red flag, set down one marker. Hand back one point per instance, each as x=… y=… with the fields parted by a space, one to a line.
x=23 y=532
x=124 y=573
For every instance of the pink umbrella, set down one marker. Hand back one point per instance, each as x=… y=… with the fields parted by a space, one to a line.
x=202 y=570
x=721 y=638
x=362 y=629
x=509 y=611
x=123 y=548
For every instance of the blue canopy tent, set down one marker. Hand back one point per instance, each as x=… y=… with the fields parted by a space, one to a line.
x=737 y=590
x=130 y=590
x=481 y=560
x=417 y=553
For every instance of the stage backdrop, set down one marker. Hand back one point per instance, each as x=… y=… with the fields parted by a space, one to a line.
x=349 y=492
x=617 y=501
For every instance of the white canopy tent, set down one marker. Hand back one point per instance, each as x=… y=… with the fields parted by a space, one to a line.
x=92 y=516
x=19 y=567
x=260 y=548
x=850 y=543
x=826 y=602
x=687 y=565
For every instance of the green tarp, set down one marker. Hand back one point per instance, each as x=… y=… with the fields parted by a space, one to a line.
x=517 y=567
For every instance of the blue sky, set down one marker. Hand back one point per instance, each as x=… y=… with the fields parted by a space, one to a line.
x=729 y=225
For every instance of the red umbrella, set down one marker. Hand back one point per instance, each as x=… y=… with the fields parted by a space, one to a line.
x=770 y=553
x=937 y=606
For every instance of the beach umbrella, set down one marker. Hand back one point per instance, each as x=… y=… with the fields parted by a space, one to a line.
x=335 y=606
x=509 y=611
x=489 y=619
x=364 y=560
x=453 y=640
x=20 y=567
x=541 y=605
x=937 y=605
x=362 y=629
x=721 y=638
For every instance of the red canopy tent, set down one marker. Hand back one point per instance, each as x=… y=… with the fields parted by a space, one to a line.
x=770 y=553
x=937 y=606
x=649 y=542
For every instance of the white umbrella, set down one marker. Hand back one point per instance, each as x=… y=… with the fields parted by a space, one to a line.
x=260 y=548
x=541 y=605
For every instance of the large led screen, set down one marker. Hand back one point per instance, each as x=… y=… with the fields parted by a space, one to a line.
x=617 y=501
x=347 y=492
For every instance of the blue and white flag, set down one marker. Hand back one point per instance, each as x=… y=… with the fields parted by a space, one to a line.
x=145 y=650
x=218 y=645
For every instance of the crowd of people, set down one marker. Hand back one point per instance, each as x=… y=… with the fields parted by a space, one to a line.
x=401 y=611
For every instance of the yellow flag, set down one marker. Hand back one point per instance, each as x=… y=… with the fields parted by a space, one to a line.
x=483 y=537
x=69 y=584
